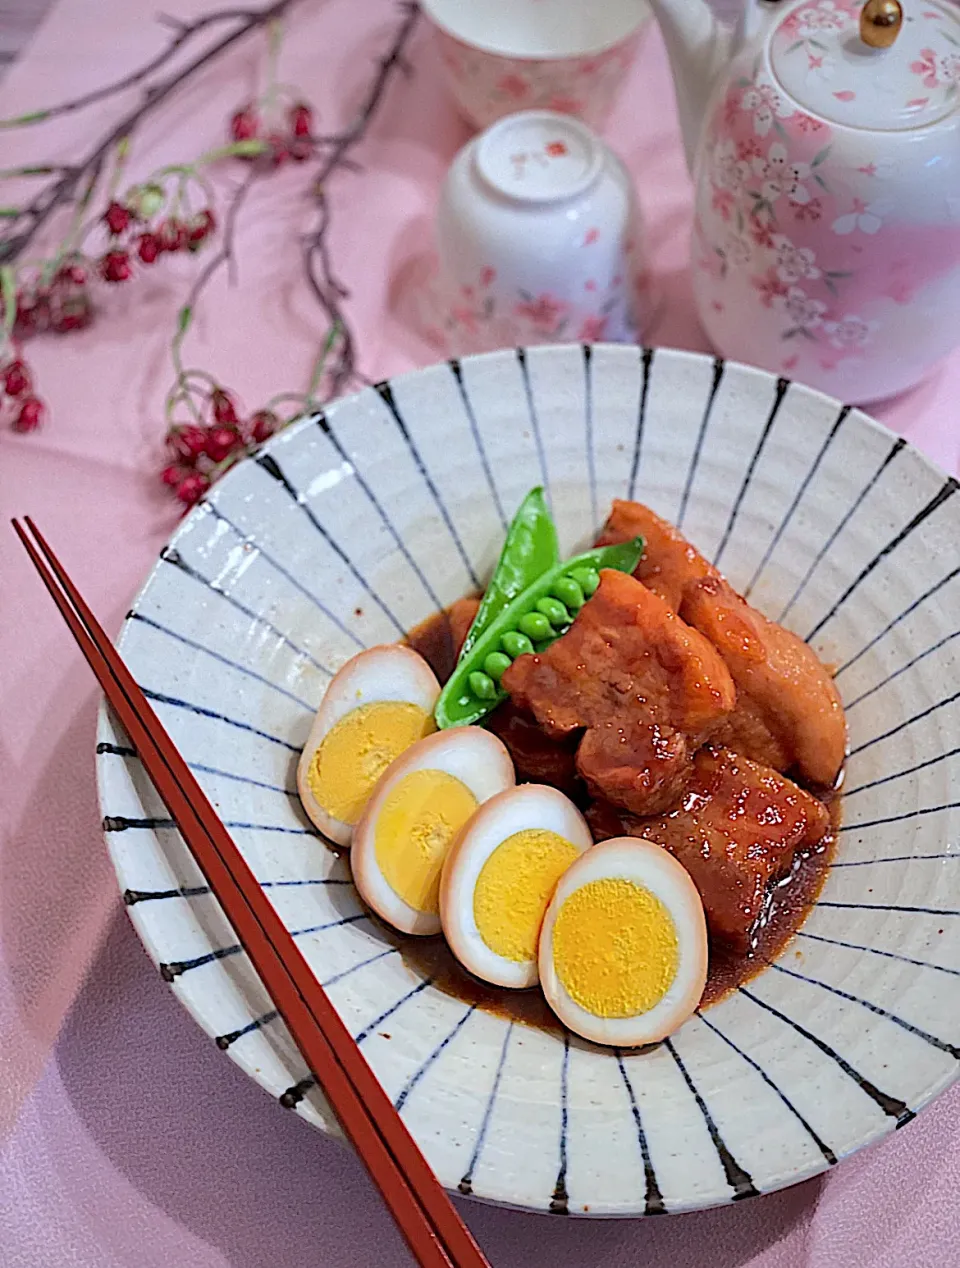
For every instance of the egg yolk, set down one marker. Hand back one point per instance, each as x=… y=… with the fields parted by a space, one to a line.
x=414 y=831
x=513 y=890
x=615 y=948
x=356 y=752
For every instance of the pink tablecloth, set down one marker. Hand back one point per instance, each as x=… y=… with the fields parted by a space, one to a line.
x=126 y=1137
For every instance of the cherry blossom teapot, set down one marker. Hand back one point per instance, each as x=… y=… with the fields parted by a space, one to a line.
x=824 y=140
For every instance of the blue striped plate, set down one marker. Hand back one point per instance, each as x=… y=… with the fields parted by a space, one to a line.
x=350 y=528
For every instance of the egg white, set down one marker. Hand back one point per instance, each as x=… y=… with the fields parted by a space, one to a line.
x=388 y=672
x=649 y=865
x=475 y=757
x=529 y=806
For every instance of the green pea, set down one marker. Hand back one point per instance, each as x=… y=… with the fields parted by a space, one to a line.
x=536 y=626
x=496 y=665
x=568 y=592
x=554 y=611
x=482 y=686
x=515 y=644
x=587 y=579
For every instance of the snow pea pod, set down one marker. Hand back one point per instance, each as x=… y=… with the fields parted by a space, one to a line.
x=474 y=687
x=529 y=551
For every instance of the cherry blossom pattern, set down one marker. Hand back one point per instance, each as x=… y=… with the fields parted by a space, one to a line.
x=938 y=70
x=794 y=264
x=851 y=333
x=765 y=104
x=547 y=314
x=803 y=313
x=867 y=217
x=780 y=177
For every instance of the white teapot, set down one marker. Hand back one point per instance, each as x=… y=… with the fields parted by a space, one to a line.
x=824 y=141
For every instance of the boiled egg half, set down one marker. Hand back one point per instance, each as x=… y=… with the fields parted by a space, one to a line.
x=379 y=703
x=416 y=811
x=500 y=876
x=623 y=950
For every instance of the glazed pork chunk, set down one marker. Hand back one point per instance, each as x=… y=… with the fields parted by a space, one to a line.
x=736 y=828
x=644 y=687
x=788 y=713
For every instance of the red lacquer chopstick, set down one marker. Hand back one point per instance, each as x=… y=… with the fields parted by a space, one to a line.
x=422 y=1210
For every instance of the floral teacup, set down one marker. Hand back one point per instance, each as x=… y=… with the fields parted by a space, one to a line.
x=565 y=55
x=539 y=239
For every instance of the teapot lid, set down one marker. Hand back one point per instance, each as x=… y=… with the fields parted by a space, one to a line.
x=823 y=54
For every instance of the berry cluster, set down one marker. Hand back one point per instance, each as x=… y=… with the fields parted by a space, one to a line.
x=16 y=396
x=133 y=228
x=60 y=303
x=293 y=139
x=201 y=452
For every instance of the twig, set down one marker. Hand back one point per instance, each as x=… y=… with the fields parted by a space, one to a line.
x=316 y=254
x=61 y=191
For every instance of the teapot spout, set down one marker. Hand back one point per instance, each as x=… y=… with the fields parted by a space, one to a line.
x=699 y=47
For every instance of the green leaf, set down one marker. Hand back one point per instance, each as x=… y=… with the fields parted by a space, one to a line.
x=18 y=121
x=184 y=318
x=8 y=292
x=9 y=213
x=820 y=181
x=821 y=157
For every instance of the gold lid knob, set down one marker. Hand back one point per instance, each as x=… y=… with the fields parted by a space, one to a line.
x=880 y=22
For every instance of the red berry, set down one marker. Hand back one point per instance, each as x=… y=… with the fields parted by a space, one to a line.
x=262 y=425
x=73 y=313
x=72 y=274
x=244 y=124
x=117 y=218
x=200 y=227
x=33 y=314
x=224 y=412
x=301 y=119
x=172 y=235
x=187 y=442
x=115 y=267
x=16 y=379
x=222 y=441
x=172 y=475
x=148 y=247
x=192 y=488
x=279 y=153
x=30 y=416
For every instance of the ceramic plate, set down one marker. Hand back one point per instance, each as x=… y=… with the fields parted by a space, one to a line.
x=350 y=528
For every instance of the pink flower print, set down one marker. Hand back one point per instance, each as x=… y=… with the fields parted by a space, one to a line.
x=487 y=274
x=867 y=217
x=723 y=203
x=794 y=264
x=465 y=317
x=761 y=232
x=738 y=250
x=901 y=290
x=765 y=104
x=592 y=329
x=807 y=123
x=823 y=17
x=514 y=86
x=555 y=149
x=769 y=287
x=808 y=212
x=779 y=177
x=566 y=105
x=802 y=312
x=926 y=67
x=851 y=333
x=731 y=107
x=591 y=236
x=748 y=148
x=545 y=312
x=950 y=68
x=729 y=172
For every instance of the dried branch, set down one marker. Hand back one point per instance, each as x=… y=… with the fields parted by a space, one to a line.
x=61 y=191
x=316 y=254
